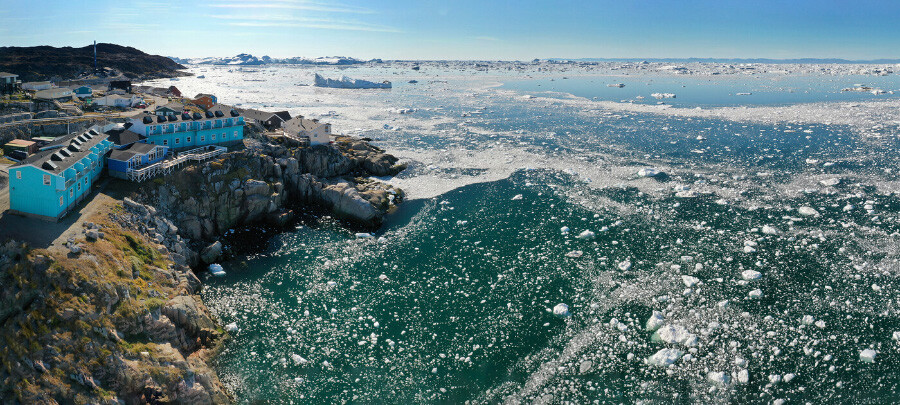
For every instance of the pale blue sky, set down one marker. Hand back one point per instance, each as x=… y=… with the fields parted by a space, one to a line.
x=466 y=29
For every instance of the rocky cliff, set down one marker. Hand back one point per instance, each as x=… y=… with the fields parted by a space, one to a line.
x=46 y=62
x=264 y=185
x=113 y=321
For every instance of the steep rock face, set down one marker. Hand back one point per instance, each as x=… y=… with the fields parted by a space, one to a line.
x=261 y=186
x=116 y=323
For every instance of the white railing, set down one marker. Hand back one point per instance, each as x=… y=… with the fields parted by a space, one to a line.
x=168 y=165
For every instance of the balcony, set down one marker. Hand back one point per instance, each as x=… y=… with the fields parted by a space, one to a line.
x=70 y=182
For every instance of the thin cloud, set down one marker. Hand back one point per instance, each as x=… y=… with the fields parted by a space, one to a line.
x=483 y=38
x=319 y=25
x=291 y=5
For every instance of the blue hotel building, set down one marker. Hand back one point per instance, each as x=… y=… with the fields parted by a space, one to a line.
x=189 y=130
x=48 y=184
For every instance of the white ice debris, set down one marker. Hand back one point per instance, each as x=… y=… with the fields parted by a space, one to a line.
x=808 y=211
x=743 y=376
x=655 y=321
x=674 y=334
x=648 y=172
x=807 y=320
x=216 y=270
x=664 y=357
x=363 y=235
x=770 y=230
x=564 y=230
x=830 y=182
x=517 y=197
x=750 y=275
x=868 y=355
x=561 y=310
x=689 y=281
x=757 y=293
x=575 y=254
x=896 y=335
x=297 y=359
x=718 y=377
x=625 y=265
x=232 y=327
x=586 y=235
x=789 y=376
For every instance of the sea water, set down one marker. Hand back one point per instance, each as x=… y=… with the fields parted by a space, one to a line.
x=759 y=265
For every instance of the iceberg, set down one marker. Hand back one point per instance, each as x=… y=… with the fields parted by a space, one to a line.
x=348 y=83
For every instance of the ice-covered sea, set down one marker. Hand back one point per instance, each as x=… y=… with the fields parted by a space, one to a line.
x=760 y=265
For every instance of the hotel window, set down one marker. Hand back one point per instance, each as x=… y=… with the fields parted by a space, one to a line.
x=71 y=192
x=235 y=134
x=165 y=141
x=19 y=174
x=46 y=179
x=202 y=138
x=188 y=140
x=60 y=201
x=212 y=137
x=79 y=186
x=177 y=141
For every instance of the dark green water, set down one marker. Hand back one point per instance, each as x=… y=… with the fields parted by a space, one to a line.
x=463 y=312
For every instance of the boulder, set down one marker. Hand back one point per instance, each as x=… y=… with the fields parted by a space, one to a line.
x=212 y=252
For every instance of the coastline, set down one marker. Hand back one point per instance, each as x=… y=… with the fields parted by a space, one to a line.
x=145 y=334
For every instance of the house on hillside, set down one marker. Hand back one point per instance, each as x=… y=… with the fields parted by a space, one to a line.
x=121 y=85
x=206 y=101
x=9 y=83
x=133 y=157
x=170 y=109
x=316 y=131
x=19 y=148
x=186 y=130
x=173 y=91
x=116 y=100
x=36 y=86
x=270 y=120
x=58 y=94
x=48 y=184
x=83 y=92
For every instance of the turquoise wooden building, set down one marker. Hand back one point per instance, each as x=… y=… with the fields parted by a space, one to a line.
x=48 y=184
x=190 y=130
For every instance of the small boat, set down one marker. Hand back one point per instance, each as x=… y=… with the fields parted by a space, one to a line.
x=620 y=85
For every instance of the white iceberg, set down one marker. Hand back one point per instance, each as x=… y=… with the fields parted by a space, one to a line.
x=348 y=83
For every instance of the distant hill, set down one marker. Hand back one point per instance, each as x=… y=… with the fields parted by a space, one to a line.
x=246 y=59
x=46 y=62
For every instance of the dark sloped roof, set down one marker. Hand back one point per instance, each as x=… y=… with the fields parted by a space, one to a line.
x=284 y=115
x=124 y=137
x=69 y=150
x=139 y=148
x=258 y=114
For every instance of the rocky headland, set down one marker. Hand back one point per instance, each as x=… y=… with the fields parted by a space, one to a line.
x=116 y=317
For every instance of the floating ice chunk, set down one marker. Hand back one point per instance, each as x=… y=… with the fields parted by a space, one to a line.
x=648 y=172
x=750 y=275
x=462 y=222
x=564 y=230
x=742 y=376
x=682 y=187
x=517 y=197
x=718 y=377
x=383 y=277
x=820 y=324
x=808 y=211
x=896 y=336
x=232 y=327
x=625 y=265
x=689 y=281
x=775 y=378
x=811 y=161
x=561 y=310
x=331 y=283
x=868 y=355
x=770 y=230
x=586 y=235
x=849 y=207
x=664 y=357
x=655 y=321
x=757 y=293
x=749 y=249
x=789 y=376
x=297 y=359
x=686 y=194
x=364 y=235
x=528 y=97
x=216 y=270
x=575 y=254
x=674 y=334
x=830 y=182
x=807 y=320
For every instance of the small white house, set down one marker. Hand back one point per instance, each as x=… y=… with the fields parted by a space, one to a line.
x=317 y=132
x=116 y=100
x=36 y=86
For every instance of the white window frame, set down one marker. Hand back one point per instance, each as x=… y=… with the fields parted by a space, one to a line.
x=18 y=175
x=202 y=138
x=212 y=137
x=188 y=140
x=60 y=201
x=165 y=142
x=177 y=141
x=47 y=180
